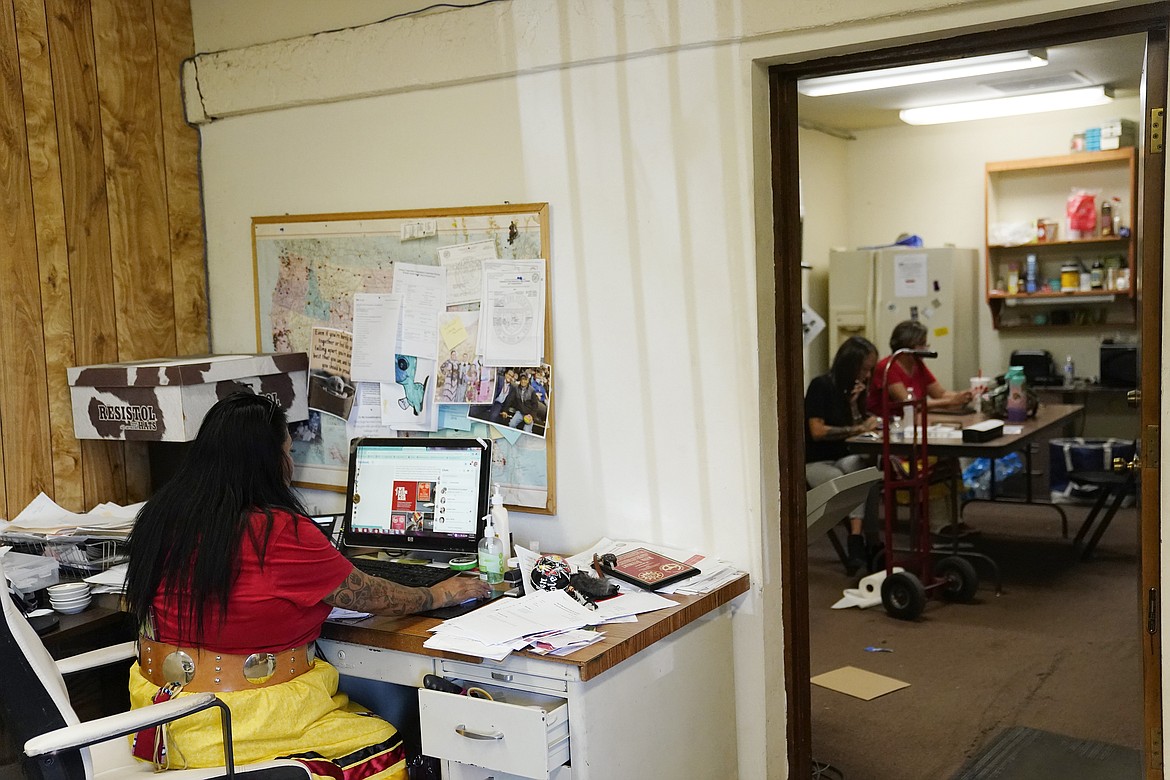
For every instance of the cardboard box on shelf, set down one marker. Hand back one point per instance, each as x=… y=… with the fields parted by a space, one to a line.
x=166 y=399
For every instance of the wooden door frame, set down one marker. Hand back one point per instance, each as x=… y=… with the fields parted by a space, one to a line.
x=1147 y=19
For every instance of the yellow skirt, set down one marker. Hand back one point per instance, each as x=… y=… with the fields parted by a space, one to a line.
x=304 y=718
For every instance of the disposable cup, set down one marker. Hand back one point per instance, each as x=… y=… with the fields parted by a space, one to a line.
x=978 y=390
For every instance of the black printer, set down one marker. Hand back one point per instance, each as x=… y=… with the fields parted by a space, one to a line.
x=1039 y=367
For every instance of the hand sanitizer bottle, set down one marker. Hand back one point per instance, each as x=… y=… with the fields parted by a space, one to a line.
x=1070 y=372
x=500 y=519
x=491 y=555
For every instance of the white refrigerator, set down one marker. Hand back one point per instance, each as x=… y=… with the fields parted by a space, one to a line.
x=872 y=290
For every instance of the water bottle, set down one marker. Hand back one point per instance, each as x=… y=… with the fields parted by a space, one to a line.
x=491 y=555
x=1070 y=372
x=908 y=415
x=1017 y=400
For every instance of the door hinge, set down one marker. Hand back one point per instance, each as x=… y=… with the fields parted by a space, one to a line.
x=1156 y=116
x=1151 y=444
x=1152 y=612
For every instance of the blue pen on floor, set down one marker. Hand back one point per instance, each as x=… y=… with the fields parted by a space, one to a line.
x=872 y=649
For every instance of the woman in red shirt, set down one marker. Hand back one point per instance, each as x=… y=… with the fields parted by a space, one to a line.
x=908 y=373
x=231 y=583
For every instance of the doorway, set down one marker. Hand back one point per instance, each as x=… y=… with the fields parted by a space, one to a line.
x=786 y=140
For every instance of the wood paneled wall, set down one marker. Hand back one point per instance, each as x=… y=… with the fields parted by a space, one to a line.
x=101 y=229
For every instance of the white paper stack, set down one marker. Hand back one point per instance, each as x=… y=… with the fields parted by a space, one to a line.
x=43 y=518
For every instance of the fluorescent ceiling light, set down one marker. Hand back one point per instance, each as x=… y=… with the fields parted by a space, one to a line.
x=921 y=74
x=1009 y=106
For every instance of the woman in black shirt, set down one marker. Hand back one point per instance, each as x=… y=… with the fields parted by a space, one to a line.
x=834 y=410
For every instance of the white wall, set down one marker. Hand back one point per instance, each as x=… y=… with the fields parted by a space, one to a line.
x=825 y=182
x=640 y=122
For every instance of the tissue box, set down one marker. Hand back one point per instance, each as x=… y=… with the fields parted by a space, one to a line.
x=165 y=400
x=31 y=572
x=983 y=431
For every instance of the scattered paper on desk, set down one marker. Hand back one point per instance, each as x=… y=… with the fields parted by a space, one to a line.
x=1012 y=430
x=112 y=580
x=858 y=683
x=469 y=646
x=565 y=642
x=339 y=613
x=628 y=604
x=713 y=573
x=506 y=620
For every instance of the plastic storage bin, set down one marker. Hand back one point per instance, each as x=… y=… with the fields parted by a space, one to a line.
x=1079 y=454
x=29 y=573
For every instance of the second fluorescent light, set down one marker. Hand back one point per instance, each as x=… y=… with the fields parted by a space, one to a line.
x=1009 y=106
x=922 y=74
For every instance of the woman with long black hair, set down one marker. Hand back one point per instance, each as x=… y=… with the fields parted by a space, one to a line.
x=230 y=582
x=834 y=410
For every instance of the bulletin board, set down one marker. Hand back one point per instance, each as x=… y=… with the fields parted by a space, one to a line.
x=312 y=270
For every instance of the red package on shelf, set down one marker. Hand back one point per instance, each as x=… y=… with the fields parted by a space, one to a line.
x=1081 y=211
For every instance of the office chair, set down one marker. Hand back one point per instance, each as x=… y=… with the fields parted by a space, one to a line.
x=56 y=745
x=829 y=503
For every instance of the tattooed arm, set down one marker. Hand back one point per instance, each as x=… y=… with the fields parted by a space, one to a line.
x=364 y=593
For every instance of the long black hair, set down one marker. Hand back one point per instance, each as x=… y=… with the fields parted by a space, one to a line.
x=186 y=539
x=847 y=365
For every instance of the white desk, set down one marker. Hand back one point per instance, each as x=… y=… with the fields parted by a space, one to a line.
x=653 y=699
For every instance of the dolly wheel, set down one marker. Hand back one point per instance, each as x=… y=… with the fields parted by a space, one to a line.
x=903 y=595
x=959 y=579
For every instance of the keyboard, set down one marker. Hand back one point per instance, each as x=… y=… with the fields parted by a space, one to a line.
x=412 y=575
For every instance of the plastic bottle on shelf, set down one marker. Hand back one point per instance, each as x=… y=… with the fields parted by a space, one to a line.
x=1097 y=275
x=1017 y=400
x=500 y=519
x=1031 y=275
x=491 y=554
x=1106 y=218
x=1070 y=372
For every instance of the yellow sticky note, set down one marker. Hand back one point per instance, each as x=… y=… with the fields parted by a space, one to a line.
x=940 y=332
x=453 y=332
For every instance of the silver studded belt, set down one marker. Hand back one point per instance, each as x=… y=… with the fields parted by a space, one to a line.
x=199 y=669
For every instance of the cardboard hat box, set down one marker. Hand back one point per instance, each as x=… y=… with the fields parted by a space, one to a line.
x=166 y=399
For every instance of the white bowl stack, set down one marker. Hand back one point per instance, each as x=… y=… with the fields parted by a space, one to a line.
x=69 y=598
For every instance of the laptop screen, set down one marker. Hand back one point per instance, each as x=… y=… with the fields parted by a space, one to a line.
x=419 y=495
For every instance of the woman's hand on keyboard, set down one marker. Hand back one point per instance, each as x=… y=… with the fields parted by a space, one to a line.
x=458 y=589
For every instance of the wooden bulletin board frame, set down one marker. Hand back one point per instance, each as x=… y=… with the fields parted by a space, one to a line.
x=344 y=253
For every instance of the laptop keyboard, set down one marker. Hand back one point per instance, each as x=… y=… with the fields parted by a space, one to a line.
x=412 y=575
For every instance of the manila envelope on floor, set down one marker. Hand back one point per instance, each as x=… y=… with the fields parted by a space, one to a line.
x=858 y=682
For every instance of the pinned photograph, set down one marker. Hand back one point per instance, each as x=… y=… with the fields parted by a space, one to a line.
x=462 y=378
x=520 y=399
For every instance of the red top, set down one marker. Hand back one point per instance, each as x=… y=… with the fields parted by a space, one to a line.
x=915 y=383
x=275 y=607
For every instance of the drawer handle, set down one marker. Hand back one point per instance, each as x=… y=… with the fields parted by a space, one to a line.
x=463 y=731
x=502 y=676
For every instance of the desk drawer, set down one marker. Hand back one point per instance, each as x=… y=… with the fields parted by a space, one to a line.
x=519 y=732
x=457 y=771
x=500 y=674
